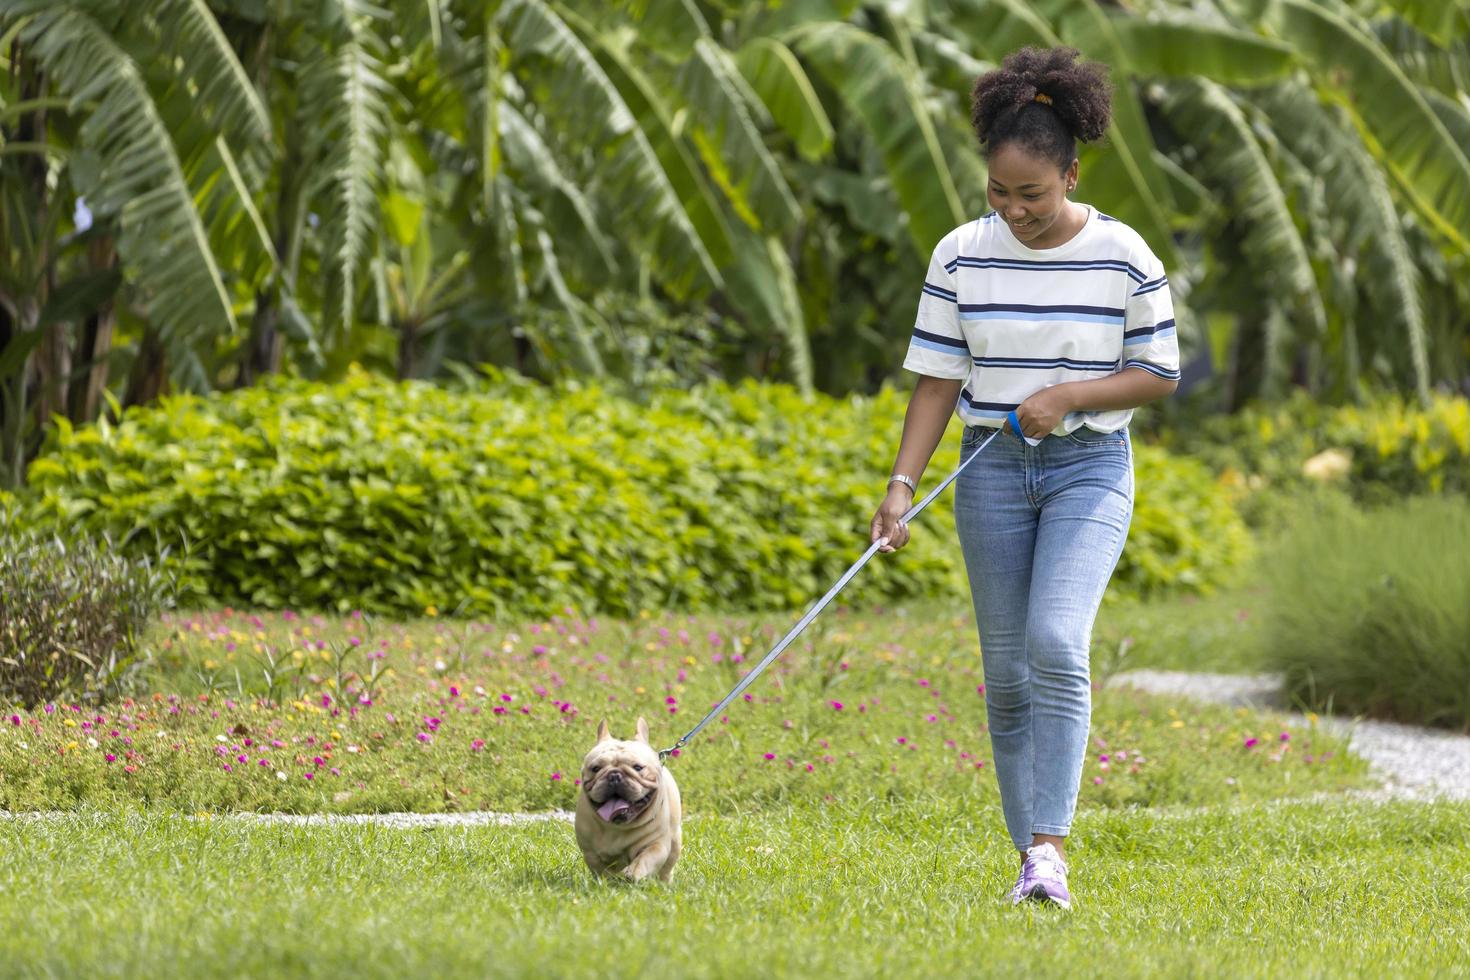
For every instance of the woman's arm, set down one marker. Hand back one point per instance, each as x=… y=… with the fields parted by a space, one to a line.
x=1130 y=388
x=930 y=407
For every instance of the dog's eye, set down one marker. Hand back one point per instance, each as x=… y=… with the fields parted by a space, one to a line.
x=637 y=768
x=595 y=768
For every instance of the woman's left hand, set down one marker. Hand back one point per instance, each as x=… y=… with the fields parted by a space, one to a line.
x=1043 y=411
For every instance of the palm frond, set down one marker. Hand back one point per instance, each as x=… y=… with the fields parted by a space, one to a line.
x=877 y=86
x=1396 y=122
x=730 y=144
x=781 y=83
x=536 y=166
x=138 y=177
x=1229 y=159
x=675 y=225
x=344 y=101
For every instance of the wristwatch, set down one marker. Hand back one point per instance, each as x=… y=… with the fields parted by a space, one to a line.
x=907 y=481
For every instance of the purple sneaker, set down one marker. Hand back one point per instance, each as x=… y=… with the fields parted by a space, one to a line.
x=1044 y=876
x=1015 y=896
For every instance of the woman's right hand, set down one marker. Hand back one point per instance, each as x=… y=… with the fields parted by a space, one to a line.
x=888 y=521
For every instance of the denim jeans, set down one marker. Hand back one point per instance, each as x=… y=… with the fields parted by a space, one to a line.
x=1041 y=528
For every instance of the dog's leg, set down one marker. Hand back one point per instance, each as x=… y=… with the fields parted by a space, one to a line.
x=667 y=871
x=648 y=861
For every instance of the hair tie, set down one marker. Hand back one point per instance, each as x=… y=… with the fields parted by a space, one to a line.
x=1043 y=98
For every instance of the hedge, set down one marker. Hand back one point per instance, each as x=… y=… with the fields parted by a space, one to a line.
x=510 y=499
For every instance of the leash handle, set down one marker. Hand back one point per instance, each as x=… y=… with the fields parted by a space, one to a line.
x=1016 y=428
x=822 y=603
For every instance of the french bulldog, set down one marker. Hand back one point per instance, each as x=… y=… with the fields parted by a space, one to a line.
x=629 y=811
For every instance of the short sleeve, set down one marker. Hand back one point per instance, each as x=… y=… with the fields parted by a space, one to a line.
x=937 y=347
x=1149 y=339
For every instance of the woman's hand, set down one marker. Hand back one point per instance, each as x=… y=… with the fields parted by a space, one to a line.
x=887 y=522
x=1043 y=411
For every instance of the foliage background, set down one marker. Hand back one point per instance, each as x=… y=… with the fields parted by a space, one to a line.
x=196 y=194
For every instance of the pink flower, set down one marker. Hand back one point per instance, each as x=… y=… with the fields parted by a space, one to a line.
x=113 y=758
x=507 y=697
x=836 y=705
x=1286 y=736
x=770 y=756
x=980 y=689
x=424 y=737
x=1104 y=758
x=318 y=761
x=901 y=740
x=453 y=692
x=477 y=745
x=1250 y=743
x=309 y=775
x=671 y=700
x=15 y=719
x=1097 y=780
x=556 y=777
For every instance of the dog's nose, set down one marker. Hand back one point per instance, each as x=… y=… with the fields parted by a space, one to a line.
x=615 y=777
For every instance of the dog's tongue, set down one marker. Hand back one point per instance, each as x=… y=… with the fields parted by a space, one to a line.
x=613 y=807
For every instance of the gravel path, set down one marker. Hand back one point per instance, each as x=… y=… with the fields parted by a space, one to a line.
x=1414 y=762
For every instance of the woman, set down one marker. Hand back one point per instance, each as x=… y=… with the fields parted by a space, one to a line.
x=1047 y=316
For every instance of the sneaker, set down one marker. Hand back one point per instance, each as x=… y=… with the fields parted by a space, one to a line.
x=1044 y=876
x=1015 y=896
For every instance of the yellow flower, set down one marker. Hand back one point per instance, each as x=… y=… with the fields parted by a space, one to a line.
x=336 y=734
x=431 y=611
x=1176 y=723
x=69 y=723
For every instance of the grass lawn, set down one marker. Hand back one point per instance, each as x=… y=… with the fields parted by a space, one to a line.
x=912 y=889
x=843 y=818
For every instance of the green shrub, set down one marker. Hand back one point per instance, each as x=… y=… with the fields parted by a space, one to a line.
x=71 y=614
x=510 y=499
x=1290 y=455
x=1369 y=611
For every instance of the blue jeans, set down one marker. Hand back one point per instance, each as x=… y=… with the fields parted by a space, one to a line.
x=1041 y=528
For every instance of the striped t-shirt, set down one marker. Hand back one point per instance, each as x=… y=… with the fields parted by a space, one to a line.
x=1011 y=320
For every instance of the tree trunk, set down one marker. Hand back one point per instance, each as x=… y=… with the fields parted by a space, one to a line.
x=262 y=353
x=85 y=399
x=149 y=376
x=408 y=333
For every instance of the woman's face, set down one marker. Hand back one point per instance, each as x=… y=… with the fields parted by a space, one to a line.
x=1030 y=193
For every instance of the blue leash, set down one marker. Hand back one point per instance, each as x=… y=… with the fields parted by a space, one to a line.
x=822 y=603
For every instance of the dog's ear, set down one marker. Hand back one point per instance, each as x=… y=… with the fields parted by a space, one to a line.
x=603 y=733
x=642 y=735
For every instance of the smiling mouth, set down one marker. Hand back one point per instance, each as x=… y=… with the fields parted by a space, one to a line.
x=615 y=809
x=1023 y=224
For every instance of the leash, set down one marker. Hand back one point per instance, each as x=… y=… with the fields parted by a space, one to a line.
x=821 y=604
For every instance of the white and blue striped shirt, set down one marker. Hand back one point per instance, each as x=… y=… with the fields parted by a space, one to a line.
x=1011 y=320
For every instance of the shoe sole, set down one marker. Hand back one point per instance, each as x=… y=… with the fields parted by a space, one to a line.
x=1039 y=893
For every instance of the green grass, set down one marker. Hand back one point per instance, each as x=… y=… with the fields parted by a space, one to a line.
x=1371 y=611
x=1302 y=890
x=1220 y=633
x=883 y=704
